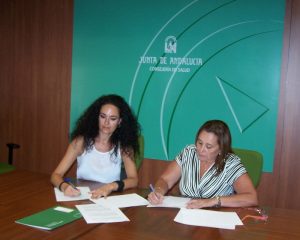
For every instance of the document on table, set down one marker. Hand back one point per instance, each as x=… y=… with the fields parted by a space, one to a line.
x=172 y=202
x=60 y=197
x=122 y=201
x=96 y=213
x=208 y=218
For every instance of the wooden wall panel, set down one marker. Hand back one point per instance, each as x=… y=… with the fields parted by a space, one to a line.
x=288 y=170
x=280 y=188
x=156 y=167
x=35 y=80
x=267 y=189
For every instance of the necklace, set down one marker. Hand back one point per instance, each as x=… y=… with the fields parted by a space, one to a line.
x=206 y=165
x=103 y=146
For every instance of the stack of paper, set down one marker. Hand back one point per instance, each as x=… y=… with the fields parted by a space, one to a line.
x=60 y=197
x=172 y=202
x=96 y=213
x=106 y=210
x=122 y=201
x=208 y=218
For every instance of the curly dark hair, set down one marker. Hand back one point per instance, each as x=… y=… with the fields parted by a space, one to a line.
x=126 y=134
x=221 y=130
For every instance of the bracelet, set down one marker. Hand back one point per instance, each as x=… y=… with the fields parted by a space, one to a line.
x=120 y=186
x=59 y=186
x=219 y=202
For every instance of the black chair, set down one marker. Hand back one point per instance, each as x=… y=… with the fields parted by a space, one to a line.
x=7 y=167
x=11 y=147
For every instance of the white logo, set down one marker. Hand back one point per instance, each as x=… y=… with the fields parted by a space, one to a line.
x=170 y=44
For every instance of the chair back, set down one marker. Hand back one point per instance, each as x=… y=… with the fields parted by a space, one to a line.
x=138 y=159
x=5 y=167
x=253 y=162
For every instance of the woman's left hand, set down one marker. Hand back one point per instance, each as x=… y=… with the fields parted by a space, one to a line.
x=103 y=191
x=201 y=203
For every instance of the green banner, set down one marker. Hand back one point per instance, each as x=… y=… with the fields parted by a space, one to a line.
x=180 y=63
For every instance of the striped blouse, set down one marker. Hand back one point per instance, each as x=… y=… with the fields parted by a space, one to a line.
x=210 y=184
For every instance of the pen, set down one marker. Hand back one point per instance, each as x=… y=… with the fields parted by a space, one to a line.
x=151 y=187
x=68 y=180
x=73 y=186
x=152 y=190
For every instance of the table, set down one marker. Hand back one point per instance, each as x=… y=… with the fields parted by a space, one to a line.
x=157 y=223
x=23 y=193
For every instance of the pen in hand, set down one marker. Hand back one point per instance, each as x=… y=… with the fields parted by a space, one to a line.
x=153 y=190
x=156 y=197
x=68 y=180
x=73 y=186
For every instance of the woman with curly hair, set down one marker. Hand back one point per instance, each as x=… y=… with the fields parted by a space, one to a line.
x=209 y=172
x=104 y=136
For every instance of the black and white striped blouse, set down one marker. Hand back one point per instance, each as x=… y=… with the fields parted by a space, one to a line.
x=210 y=184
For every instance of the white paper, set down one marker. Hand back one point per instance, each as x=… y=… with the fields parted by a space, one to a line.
x=122 y=201
x=208 y=218
x=96 y=213
x=63 y=209
x=172 y=202
x=60 y=197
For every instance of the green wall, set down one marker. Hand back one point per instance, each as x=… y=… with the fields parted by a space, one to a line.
x=180 y=63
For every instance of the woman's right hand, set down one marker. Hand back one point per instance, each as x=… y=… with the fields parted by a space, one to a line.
x=71 y=192
x=155 y=198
